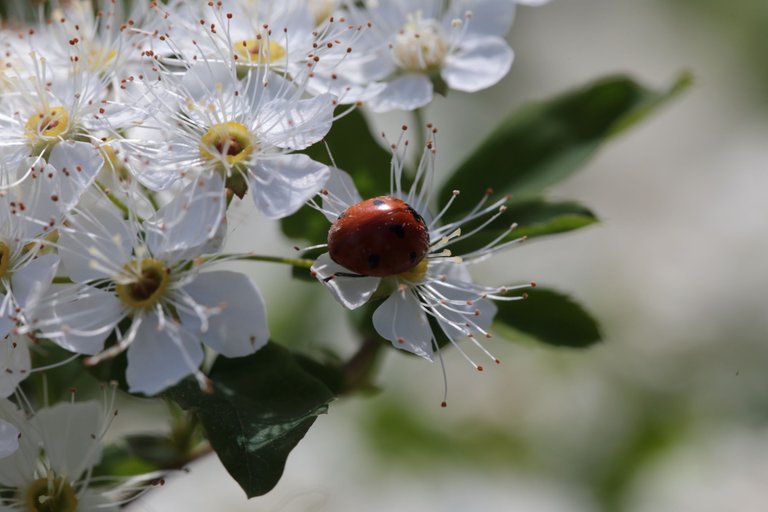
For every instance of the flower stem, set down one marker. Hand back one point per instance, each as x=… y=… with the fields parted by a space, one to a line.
x=358 y=369
x=117 y=202
x=419 y=128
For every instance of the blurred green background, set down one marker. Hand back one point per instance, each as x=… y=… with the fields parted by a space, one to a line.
x=670 y=412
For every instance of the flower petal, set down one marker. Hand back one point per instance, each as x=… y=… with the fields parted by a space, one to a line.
x=71 y=436
x=296 y=125
x=282 y=184
x=79 y=319
x=407 y=92
x=189 y=221
x=351 y=291
x=342 y=194
x=77 y=164
x=479 y=63
x=241 y=326
x=14 y=364
x=30 y=282
x=489 y=17
x=96 y=244
x=18 y=468
x=401 y=320
x=159 y=358
x=9 y=439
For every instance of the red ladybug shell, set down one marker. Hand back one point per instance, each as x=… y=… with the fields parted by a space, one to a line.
x=380 y=237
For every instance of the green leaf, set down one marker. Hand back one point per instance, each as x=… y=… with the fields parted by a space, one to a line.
x=118 y=460
x=354 y=150
x=545 y=142
x=534 y=218
x=260 y=407
x=551 y=318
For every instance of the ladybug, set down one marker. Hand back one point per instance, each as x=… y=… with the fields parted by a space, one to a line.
x=379 y=237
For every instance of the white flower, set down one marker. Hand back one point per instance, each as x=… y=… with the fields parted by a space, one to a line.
x=418 y=47
x=29 y=217
x=50 y=469
x=420 y=280
x=244 y=130
x=144 y=282
x=92 y=36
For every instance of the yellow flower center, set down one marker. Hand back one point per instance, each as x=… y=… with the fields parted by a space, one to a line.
x=259 y=51
x=226 y=142
x=49 y=124
x=416 y=274
x=5 y=258
x=150 y=279
x=420 y=44
x=50 y=495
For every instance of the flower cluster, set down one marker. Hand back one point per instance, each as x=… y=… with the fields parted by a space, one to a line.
x=127 y=130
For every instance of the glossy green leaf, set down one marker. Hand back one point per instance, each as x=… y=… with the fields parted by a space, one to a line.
x=534 y=218
x=545 y=142
x=551 y=318
x=260 y=407
x=354 y=150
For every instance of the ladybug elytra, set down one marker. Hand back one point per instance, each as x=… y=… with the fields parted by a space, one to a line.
x=379 y=237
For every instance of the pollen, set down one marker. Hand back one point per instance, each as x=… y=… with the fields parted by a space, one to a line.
x=229 y=142
x=147 y=280
x=416 y=274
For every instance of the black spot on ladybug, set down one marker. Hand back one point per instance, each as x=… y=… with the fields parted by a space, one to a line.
x=378 y=202
x=397 y=229
x=416 y=215
x=373 y=260
x=412 y=256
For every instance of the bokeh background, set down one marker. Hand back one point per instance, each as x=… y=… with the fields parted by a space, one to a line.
x=670 y=412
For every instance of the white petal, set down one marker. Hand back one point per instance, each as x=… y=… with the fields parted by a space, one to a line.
x=158 y=358
x=407 y=92
x=489 y=17
x=351 y=291
x=77 y=164
x=71 y=436
x=97 y=244
x=202 y=78
x=241 y=327
x=14 y=363
x=296 y=124
x=5 y=324
x=9 y=439
x=37 y=192
x=30 y=282
x=342 y=190
x=18 y=468
x=80 y=319
x=401 y=320
x=283 y=184
x=189 y=221
x=480 y=63
x=345 y=91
